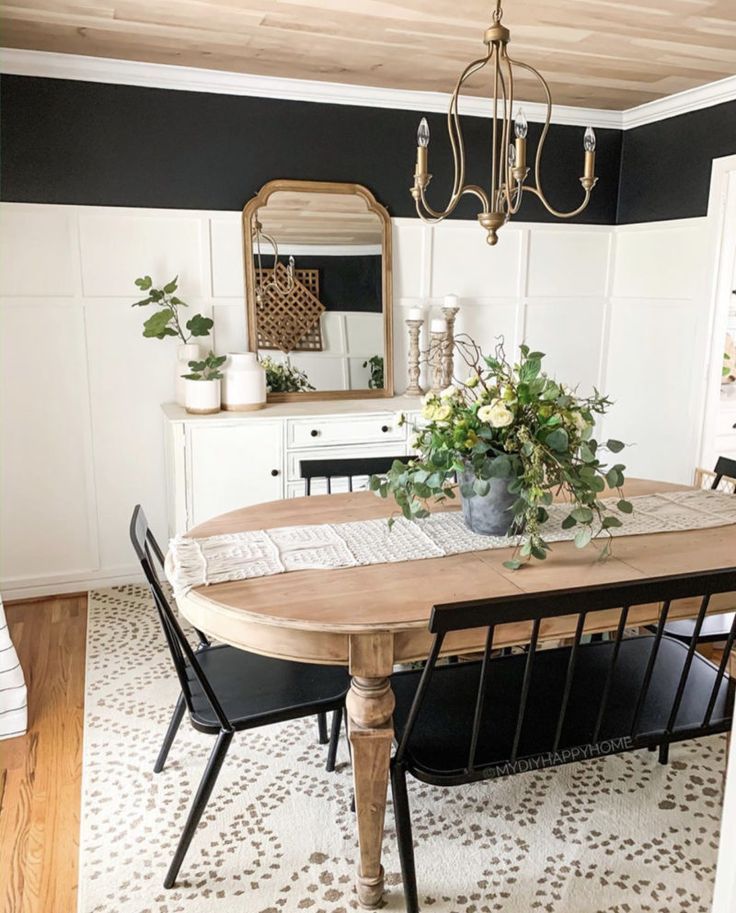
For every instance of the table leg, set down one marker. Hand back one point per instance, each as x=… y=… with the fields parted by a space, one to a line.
x=370 y=704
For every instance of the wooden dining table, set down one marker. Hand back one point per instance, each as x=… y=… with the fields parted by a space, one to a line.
x=373 y=617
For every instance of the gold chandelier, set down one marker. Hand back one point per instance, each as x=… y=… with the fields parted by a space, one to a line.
x=509 y=170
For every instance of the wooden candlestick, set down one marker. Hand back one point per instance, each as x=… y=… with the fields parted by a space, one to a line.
x=436 y=359
x=414 y=388
x=448 y=352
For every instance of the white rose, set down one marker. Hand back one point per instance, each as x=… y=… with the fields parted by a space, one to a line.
x=579 y=421
x=443 y=412
x=497 y=415
x=449 y=393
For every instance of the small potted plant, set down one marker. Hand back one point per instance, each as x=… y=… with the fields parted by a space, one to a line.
x=510 y=438
x=202 y=385
x=166 y=322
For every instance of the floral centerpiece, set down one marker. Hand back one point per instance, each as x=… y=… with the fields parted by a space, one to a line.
x=510 y=438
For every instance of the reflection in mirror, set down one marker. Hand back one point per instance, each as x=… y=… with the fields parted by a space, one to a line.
x=317 y=284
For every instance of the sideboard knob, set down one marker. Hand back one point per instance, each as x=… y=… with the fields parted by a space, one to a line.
x=274 y=472
x=385 y=428
x=314 y=432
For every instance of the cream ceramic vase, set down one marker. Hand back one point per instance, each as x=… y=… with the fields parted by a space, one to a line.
x=202 y=397
x=243 y=383
x=184 y=354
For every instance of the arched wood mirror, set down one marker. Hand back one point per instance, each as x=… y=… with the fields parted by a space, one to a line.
x=318 y=290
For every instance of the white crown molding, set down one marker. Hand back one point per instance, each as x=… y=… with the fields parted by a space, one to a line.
x=192 y=79
x=714 y=93
x=19 y=62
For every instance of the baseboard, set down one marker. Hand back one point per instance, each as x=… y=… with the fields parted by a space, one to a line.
x=20 y=590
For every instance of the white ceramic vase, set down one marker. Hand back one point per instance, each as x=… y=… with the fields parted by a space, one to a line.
x=243 y=383
x=184 y=354
x=202 y=397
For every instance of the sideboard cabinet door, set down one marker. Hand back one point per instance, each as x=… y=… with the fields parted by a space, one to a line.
x=232 y=466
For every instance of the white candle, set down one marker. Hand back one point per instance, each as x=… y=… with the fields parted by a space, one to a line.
x=451 y=301
x=416 y=314
x=438 y=325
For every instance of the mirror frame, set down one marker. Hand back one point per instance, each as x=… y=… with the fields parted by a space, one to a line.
x=259 y=200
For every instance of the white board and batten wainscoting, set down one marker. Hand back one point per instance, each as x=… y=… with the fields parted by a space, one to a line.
x=622 y=308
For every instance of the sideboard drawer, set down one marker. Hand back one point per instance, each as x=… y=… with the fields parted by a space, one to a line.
x=349 y=429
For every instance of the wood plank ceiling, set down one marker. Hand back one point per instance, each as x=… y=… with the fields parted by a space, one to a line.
x=598 y=53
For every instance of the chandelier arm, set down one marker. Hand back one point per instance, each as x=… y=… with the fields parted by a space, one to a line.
x=503 y=163
x=515 y=196
x=537 y=190
x=453 y=120
x=555 y=212
x=457 y=143
x=495 y=177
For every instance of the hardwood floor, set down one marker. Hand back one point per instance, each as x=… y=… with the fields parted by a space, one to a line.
x=40 y=773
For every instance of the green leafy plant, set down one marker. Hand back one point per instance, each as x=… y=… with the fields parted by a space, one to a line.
x=207 y=369
x=512 y=421
x=165 y=321
x=283 y=377
x=375 y=380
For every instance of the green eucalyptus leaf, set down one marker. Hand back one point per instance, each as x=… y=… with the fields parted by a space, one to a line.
x=558 y=440
x=582 y=514
x=583 y=537
x=614 y=446
x=171 y=287
x=568 y=522
x=513 y=564
x=144 y=283
x=626 y=507
x=611 y=522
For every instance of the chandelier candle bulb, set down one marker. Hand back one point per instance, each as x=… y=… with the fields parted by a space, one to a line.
x=420 y=172
x=589 y=146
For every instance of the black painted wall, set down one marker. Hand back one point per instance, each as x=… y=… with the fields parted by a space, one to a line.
x=65 y=141
x=666 y=166
x=74 y=142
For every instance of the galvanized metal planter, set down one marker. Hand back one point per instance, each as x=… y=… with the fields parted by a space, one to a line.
x=490 y=514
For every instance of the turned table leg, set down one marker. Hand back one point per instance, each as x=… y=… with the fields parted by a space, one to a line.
x=370 y=704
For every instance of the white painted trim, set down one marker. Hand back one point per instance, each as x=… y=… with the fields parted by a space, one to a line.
x=19 y=62
x=713 y=93
x=193 y=79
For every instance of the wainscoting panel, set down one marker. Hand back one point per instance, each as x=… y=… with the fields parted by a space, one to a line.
x=48 y=480
x=573 y=264
x=117 y=247
x=30 y=236
x=83 y=439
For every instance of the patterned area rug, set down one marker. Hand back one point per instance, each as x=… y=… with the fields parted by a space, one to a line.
x=620 y=834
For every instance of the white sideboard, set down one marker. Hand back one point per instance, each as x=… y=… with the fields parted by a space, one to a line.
x=217 y=463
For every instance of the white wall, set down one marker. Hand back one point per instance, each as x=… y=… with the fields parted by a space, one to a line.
x=82 y=433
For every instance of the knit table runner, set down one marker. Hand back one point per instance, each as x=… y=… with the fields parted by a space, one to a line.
x=263 y=552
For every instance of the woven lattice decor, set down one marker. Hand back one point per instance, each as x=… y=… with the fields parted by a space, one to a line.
x=290 y=322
